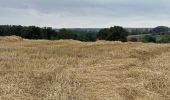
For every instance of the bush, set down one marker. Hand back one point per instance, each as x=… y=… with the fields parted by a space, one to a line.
x=133 y=39
x=149 y=38
x=165 y=39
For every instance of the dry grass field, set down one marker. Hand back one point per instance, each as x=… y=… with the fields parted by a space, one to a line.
x=73 y=70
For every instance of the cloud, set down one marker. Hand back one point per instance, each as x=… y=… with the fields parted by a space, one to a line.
x=85 y=13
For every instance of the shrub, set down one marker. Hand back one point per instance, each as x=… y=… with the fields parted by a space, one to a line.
x=149 y=38
x=165 y=39
x=133 y=39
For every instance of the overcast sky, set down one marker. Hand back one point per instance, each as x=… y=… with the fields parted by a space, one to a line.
x=85 y=13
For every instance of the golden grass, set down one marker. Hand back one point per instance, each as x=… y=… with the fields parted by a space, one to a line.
x=73 y=70
x=10 y=38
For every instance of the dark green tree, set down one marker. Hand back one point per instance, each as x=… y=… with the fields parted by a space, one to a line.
x=66 y=34
x=115 y=33
x=32 y=32
x=103 y=34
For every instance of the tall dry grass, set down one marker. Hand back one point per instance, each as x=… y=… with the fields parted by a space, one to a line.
x=73 y=70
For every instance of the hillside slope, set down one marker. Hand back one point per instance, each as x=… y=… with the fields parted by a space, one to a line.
x=73 y=70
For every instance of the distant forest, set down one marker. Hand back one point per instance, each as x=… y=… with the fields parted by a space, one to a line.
x=34 y=32
x=116 y=33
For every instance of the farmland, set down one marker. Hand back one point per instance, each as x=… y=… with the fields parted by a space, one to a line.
x=74 y=70
x=142 y=38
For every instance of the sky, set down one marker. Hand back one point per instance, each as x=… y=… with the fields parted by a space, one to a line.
x=85 y=13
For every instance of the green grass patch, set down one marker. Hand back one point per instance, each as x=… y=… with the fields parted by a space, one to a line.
x=141 y=38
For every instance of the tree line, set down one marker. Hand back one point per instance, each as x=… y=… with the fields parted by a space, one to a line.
x=29 y=32
x=115 y=33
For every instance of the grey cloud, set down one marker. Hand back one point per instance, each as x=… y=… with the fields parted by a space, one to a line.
x=74 y=13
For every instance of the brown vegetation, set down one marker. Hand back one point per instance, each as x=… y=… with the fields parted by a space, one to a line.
x=73 y=70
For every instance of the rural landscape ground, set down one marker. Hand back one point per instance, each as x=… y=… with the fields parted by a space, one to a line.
x=73 y=70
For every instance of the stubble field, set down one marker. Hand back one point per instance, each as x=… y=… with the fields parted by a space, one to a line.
x=73 y=70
